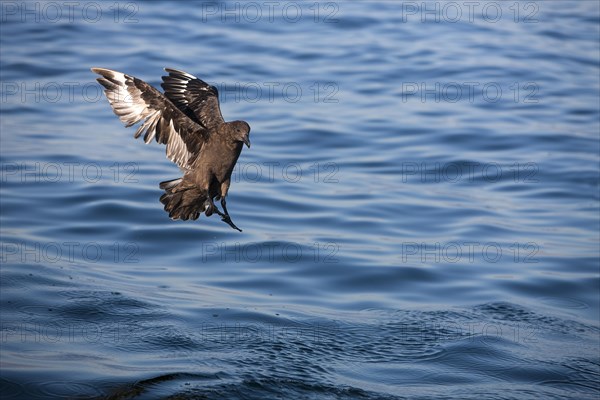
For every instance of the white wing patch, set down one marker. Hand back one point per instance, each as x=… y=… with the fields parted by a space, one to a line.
x=129 y=107
x=128 y=104
x=176 y=148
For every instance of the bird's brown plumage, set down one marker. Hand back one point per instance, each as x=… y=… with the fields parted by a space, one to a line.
x=187 y=119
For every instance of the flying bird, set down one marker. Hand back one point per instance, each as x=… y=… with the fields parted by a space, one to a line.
x=187 y=119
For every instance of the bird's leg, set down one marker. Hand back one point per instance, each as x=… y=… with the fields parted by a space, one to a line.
x=224 y=217
x=223 y=204
x=227 y=218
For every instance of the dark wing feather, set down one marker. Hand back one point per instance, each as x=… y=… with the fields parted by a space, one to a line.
x=194 y=97
x=133 y=100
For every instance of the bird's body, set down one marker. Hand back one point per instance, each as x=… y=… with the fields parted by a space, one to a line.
x=186 y=118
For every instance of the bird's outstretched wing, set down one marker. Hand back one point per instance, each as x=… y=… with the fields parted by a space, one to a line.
x=194 y=97
x=133 y=100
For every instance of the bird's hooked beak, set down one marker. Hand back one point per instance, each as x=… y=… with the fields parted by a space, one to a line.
x=247 y=141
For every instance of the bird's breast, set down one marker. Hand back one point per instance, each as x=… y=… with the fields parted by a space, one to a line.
x=217 y=162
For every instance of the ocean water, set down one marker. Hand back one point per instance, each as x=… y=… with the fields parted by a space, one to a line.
x=420 y=204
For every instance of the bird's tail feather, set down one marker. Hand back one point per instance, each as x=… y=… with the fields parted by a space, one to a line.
x=170 y=184
x=181 y=201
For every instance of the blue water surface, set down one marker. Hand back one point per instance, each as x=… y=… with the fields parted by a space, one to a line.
x=420 y=204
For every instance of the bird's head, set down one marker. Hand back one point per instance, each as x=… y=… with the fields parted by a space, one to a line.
x=241 y=132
